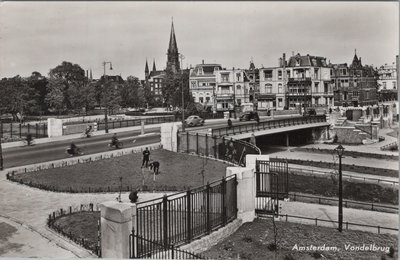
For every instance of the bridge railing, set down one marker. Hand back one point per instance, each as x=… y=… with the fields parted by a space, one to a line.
x=270 y=124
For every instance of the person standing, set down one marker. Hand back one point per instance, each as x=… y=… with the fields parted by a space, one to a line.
x=146 y=157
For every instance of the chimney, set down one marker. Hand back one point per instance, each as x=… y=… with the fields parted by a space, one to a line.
x=284 y=59
x=280 y=62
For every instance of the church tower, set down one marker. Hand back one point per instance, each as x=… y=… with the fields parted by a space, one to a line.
x=146 y=71
x=173 y=54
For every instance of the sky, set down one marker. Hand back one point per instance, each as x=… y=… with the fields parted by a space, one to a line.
x=38 y=36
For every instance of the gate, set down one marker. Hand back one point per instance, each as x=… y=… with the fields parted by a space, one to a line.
x=271 y=185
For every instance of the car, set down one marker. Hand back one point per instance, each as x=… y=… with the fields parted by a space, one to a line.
x=249 y=116
x=310 y=112
x=194 y=121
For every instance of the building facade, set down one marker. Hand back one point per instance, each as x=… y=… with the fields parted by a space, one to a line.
x=302 y=81
x=253 y=74
x=309 y=82
x=387 y=82
x=202 y=84
x=232 y=89
x=354 y=85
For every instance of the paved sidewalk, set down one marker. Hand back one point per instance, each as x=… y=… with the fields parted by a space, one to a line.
x=327 y=212
x=30 y=206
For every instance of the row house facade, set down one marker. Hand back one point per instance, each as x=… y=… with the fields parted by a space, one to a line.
x=387 y=82
x=302 y=81
x=202 y=84
x=232 y=89
x=354 y=85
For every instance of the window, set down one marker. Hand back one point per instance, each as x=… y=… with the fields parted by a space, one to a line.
x=280 y=90
x=207 y=99
x=268 y=74
x=238 y=76
x=201 y=99
x=225 y=77
x=193 y=84
x=268 y=88
x=315 y=73
x=316 y=87
x=238 y=87
x=239 y=101
x=280 y=102
x=384 y=85
x=279 y=74
x=394 y=84
x=344 y=72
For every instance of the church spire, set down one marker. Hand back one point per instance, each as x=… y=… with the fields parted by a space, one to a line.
x=154 y=65
x=146 y=68
x=173 y=54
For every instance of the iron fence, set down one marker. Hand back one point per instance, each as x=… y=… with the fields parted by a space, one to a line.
x=269 y=124
x=18 y=131
x=313 y=172
x=179 y=218
x=229 y=150
x=95 y=247
x=347 y=224
x=147 y=249
x=346 y=203
x=134 y=122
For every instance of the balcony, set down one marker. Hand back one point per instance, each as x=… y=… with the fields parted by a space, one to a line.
x=300 y=79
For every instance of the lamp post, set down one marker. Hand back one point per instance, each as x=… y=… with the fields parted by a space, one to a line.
x=106 y=105
x=181 y=56
x=1 y=148
x=340 y=150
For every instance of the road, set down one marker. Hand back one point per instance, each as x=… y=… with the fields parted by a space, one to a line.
x=25 y=155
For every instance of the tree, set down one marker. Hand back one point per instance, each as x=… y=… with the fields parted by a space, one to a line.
x=38 y=88
x=172 y=89
x=132 y=93
x=66 y=79
x=15 y=96
x=107 y=93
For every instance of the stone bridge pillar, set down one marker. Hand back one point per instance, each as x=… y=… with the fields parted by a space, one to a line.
x=116 y=226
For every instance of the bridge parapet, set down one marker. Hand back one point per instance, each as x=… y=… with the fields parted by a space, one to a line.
x=270 y=124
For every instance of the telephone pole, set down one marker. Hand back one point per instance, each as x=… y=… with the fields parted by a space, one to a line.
x=106 y=105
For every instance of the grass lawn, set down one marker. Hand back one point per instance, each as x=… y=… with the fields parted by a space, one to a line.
x=328 y=187
x=177 y=172
x=252 y=240
x=81 y=225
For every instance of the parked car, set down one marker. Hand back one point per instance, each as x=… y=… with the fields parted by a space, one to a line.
x=249 y=116
x=194 y=121
x=310 y=112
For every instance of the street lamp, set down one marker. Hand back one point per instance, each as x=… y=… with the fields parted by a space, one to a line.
x=1 y=148
x=106 y=105
x=340 y=150
x=181 y=56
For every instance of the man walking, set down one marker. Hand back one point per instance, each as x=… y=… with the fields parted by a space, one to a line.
x=146 y=157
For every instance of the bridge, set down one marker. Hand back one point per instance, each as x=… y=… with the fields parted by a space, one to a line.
x=314 y=125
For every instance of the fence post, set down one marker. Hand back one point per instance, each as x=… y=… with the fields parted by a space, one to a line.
x=197 y=143
x=165 y=220
x=20 y=130
x=316 y=221
x=379 y=229
x=215 y=146
x=29 y=128
x=188 y=217
x=208 y=224
x=187 y=141
x=36 y=130
x=206 y=152
x=113 y=124
x=223 y=187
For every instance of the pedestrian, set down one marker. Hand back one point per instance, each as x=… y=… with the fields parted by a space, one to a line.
x=146 y=157
x=229 y=123
x=155 y=166
x=257 y=118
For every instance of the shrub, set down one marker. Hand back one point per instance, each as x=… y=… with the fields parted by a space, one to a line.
x=133 y=197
